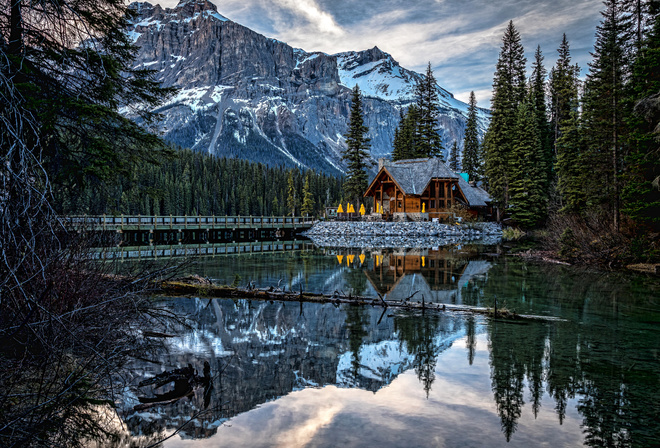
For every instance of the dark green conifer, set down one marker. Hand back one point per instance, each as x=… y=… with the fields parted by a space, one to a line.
x=508 y=93
x=472 y=163
x=527 y=170
x=410 y=134
x=570 y=172
x=308 y=200
x=605 y=109
x=537 y=92
x=429 y=143
x=454 y=157
x=357 y=152
x=641 y=192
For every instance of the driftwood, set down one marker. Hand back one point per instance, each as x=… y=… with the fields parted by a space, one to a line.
x=178 y=288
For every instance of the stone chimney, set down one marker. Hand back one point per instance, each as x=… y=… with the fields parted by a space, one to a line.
x=381 y=163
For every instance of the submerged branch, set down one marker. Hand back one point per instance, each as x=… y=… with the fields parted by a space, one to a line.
x=177 y=288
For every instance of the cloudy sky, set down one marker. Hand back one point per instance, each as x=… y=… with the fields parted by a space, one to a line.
x=461 y=38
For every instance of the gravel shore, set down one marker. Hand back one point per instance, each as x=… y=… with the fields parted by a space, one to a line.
x=401 y=234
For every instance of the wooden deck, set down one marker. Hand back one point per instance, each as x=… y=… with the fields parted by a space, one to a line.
x=138 y=222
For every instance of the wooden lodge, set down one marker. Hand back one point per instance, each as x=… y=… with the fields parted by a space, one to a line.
x=423 y=189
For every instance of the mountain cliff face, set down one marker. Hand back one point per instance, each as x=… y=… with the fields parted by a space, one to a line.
x=247 y=96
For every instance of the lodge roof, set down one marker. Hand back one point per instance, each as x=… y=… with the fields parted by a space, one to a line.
x=413 y=177
x=476 y=196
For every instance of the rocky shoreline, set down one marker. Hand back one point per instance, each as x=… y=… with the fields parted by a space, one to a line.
x=401 y=234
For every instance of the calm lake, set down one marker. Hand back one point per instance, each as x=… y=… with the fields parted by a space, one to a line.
x=308 y=375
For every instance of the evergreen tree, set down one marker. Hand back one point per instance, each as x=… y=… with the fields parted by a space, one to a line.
x=471 y=151
x=527 y=170
x=508 y=93
x=563 y=89
x=537 y=92
x=308 y=200
x=453 y=157
x=69 y=69
x=604 y=108
x=291 y=195
x=429 y=143
x=565 y=128
x=570 y=172
x=641 y=192
x=410 y=134
x=399 y=150
x=356 y=154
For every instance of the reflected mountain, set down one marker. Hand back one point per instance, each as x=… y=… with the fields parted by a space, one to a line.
x=260 y=351
x=599 y=366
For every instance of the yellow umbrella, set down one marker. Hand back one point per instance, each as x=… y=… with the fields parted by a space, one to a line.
x=350 y=208
x=423 y=261
x=377 y=207
x=350 y=259
x=423 y=207
x=340 y=209
x=362 y=210
x=362 y=258
x=340 y=258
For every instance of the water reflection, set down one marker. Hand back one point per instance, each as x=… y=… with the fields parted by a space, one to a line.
x=592 y=379
x=435 y=274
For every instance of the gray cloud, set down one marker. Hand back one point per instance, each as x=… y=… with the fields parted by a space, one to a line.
x=461 y=38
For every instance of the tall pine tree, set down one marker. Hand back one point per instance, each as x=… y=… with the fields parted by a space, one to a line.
x=604 y=108
x=472 y=163
x=641 y=192
x=508 y=92
x=357 y=152
x=429 y=143
x=527 y=187
x=537 y=93
x=453 y=157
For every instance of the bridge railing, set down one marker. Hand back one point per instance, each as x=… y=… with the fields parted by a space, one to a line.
x=111 y=221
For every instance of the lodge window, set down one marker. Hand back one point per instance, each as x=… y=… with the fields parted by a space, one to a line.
x=441 y=191
x=398 y=205
x=432 y=203
x=441 y=204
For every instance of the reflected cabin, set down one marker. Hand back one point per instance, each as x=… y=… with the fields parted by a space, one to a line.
x=423 y=189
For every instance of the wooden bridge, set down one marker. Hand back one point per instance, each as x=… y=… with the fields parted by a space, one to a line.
x=188 y=250
x=138 y=230
x=139 y=222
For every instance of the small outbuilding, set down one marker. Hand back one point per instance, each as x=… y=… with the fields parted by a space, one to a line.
x=424 y=189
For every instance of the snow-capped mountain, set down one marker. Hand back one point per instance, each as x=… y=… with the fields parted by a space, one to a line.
x=245 y=95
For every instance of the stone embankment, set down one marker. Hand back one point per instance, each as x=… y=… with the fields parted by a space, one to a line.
x=401 y=234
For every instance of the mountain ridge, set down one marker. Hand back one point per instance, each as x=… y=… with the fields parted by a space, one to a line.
x=245 y=95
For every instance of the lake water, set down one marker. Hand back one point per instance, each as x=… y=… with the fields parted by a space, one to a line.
x=309 y=375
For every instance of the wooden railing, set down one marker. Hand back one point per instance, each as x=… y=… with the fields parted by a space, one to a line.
x=137 y=221
x=163 y=251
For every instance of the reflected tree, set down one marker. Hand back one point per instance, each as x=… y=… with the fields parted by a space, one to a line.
x=418 y=333
x=356 y=321
x=471 y=340
x=562 y=367
x=507 y=375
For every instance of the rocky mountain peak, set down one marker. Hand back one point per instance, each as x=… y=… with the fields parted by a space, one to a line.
x=248 y=96
x=191 y=8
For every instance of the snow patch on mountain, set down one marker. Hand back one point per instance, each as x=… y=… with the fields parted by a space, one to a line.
x=378 y=79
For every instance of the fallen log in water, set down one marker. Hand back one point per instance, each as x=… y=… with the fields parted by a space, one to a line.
x=187 y=288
